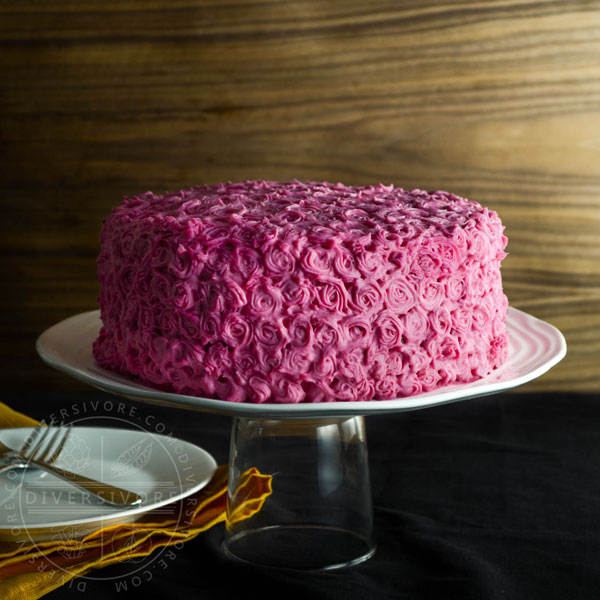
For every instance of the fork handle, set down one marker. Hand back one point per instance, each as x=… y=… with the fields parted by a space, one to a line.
x=104 y=491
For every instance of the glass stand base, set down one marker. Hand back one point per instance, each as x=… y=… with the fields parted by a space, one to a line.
x=306 y=547
x=319 y=515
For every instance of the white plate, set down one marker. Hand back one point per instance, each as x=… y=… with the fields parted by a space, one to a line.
x=38 y=506
x=535 y=346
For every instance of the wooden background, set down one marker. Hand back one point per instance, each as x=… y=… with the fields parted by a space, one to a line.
x=498 y=101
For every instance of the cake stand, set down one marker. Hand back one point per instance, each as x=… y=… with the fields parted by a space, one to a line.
x=319 y=515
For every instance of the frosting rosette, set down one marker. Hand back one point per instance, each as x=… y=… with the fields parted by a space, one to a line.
x=389 y=330
x=270 y=292
x=400 y=295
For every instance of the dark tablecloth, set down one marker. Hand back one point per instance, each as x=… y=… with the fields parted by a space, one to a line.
x=495 y=497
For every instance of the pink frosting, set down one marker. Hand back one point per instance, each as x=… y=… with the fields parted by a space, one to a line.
x=301 y=292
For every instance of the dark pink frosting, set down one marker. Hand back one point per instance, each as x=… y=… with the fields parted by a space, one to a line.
x=301 y=292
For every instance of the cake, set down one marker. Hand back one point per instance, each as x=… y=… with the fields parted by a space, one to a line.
x=301 y=292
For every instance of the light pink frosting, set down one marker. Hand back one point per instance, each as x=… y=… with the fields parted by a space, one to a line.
x=301 y=292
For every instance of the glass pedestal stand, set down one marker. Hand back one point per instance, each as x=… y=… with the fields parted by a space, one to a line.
x=319 y=515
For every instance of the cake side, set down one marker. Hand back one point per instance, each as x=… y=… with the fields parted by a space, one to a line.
x=269 y=292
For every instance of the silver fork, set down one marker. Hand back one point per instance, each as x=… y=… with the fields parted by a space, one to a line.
x=35 y=452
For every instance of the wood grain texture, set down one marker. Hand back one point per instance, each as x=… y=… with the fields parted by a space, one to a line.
x=498 y=101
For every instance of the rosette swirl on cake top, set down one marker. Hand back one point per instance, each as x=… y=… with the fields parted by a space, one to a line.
x=301 y=292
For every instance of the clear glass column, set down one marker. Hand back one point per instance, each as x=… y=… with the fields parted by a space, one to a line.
x=319 y=515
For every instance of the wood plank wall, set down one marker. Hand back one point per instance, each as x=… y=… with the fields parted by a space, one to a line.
x=496 y=100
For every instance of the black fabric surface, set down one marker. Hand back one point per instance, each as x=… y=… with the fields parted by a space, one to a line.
x=490 y=498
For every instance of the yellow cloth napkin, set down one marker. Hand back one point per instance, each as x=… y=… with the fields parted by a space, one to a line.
x=30 y=571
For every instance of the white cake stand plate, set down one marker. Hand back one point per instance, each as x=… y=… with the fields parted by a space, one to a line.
x=534 y=347
x=319 y=515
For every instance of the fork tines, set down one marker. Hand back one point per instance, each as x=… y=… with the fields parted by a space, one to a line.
x=35 y=447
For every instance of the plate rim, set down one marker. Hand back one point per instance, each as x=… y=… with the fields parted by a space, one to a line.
x=133 y=511
x=140 y=392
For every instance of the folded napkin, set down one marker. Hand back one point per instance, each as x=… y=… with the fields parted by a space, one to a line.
x=32 y=570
